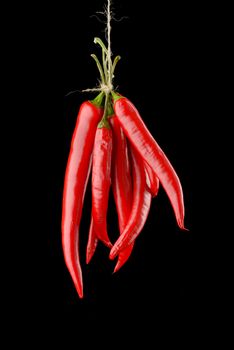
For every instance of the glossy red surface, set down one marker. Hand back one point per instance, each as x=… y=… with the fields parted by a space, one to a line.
x=140 y=207
x=76 y=177
x=152 y=180
x=121 y=184
x=101 y=180
x=140 y=137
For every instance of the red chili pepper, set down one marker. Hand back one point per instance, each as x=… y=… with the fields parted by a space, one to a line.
x=140 y=137
x=140 y=207
x=121 y=184
x=153 y=181
x=76 y=177
x=101 y=180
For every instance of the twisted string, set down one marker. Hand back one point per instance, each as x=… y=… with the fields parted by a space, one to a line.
x=106 y=87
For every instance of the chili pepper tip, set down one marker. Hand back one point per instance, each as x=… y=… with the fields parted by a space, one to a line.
x=108 y=244
x=79 y=291
x=88 y=258
x=113 y=253
x=117 y=267
x=181 y=226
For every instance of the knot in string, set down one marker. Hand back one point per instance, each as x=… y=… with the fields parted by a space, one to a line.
x=106 y=88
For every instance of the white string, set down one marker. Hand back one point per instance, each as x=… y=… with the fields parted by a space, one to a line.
x=92 y=90
x=109 y=63
x=103 y=87
x=108 y=87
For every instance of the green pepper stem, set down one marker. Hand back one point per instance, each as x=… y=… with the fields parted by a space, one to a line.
x=101 y=43
x=107 y=68
x=97 y=101
x=110 y=110
x=99 y=68
x=116 y=96
x=104 y=55
x=116 y=60
x=104 y=121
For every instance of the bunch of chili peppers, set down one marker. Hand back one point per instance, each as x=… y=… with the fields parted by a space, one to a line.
x=112 y=142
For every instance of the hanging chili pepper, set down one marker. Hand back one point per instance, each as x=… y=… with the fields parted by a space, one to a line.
x=121 y=184
x=100 y=185
x=140 y=206
x=101 y=179
x=76 y=177
x=153 y=181
x=140 y=137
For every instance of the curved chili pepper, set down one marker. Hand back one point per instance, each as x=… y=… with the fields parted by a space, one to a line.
x=153 y=181
x=76 y=177
x=140 y=206
x=101 y=180
x=121 y=184
x=140 y=137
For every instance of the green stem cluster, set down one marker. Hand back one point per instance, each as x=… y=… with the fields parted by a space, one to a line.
x=106 y=70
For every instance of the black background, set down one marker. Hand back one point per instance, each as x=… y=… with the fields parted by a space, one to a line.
x=164 y=71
